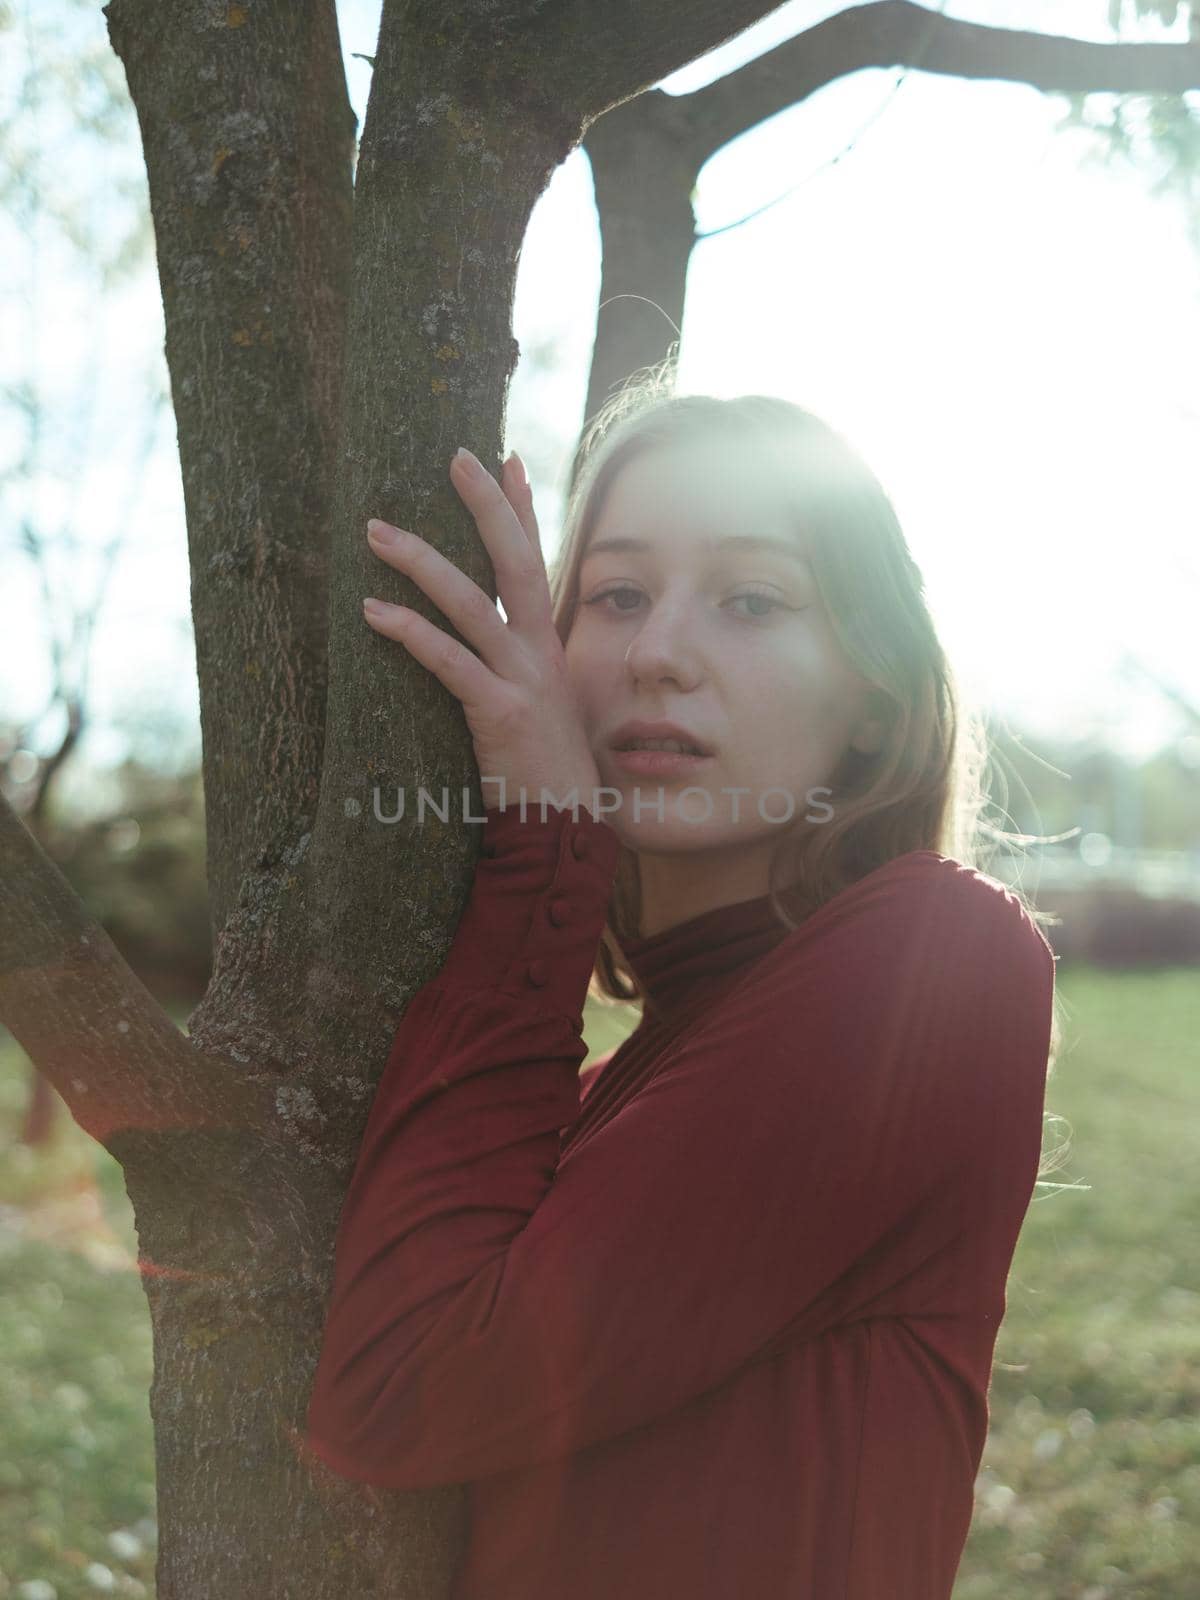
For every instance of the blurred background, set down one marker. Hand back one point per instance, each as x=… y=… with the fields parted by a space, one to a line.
x=995 y=294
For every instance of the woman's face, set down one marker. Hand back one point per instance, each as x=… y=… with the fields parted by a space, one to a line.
x=682 y=619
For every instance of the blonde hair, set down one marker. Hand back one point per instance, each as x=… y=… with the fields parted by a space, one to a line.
x=924 y=789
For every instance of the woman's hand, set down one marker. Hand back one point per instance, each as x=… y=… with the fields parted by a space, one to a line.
x=518 y=699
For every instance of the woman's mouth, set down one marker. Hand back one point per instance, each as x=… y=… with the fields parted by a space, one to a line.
x=659 y=762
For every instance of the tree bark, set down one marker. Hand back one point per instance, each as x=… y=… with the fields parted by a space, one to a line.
x=87 y=1021
x=249 y=140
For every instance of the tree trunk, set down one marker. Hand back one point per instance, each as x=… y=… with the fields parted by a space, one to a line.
x=249 y=141
x=647 y=230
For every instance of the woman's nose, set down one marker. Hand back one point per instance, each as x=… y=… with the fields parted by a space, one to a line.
x=664 y=647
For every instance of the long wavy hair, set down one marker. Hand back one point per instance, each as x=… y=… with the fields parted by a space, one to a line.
x=925 y=788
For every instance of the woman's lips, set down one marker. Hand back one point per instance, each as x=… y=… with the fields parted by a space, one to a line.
x=658 y=763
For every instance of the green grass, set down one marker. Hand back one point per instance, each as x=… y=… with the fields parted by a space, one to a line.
x=1090 y=1481
x=77 y=1505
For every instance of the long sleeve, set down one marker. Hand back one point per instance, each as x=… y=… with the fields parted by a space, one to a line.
x=464 y=1130
x=806 y=1155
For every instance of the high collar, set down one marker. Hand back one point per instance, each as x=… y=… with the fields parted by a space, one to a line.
x=676 y=968
x=679 y=968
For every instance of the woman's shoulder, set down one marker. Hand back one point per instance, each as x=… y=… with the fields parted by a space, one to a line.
x=972 y=894
x=929 y=913
x=926 y=977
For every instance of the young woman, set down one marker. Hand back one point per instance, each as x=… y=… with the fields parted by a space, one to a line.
x=718 y=1322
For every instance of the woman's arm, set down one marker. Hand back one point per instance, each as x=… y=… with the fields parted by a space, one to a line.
x=872 y=1094
x=464 y=1131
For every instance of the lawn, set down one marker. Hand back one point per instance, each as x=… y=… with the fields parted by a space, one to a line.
x=1090 y=1482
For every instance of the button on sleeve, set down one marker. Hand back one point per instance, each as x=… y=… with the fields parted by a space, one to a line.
x=537 y=907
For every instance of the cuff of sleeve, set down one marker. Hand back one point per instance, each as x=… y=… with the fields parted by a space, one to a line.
x=537 y=907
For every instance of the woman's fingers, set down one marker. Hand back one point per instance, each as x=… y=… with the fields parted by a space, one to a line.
x=520 y=572
x=460 y=601
x=466 y=677
x=506 y=521
x=515 y=483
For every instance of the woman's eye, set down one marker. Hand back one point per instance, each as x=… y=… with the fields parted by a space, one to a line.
x=607 y=594
x=767 y=600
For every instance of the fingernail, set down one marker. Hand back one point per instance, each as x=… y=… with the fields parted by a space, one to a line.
x=382 y=532
x=522 y=475
x=468 y=462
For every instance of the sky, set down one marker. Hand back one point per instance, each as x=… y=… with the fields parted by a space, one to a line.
x=1008 y=332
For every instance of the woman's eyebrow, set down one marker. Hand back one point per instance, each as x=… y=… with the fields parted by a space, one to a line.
x=750 y=543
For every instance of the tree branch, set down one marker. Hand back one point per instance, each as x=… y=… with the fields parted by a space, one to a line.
x=897 y=33
x=249 y=140
x=668 y=138
x=90 y=1025
x=578 y=58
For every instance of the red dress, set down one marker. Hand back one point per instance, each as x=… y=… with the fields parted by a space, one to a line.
x=725 y=1327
